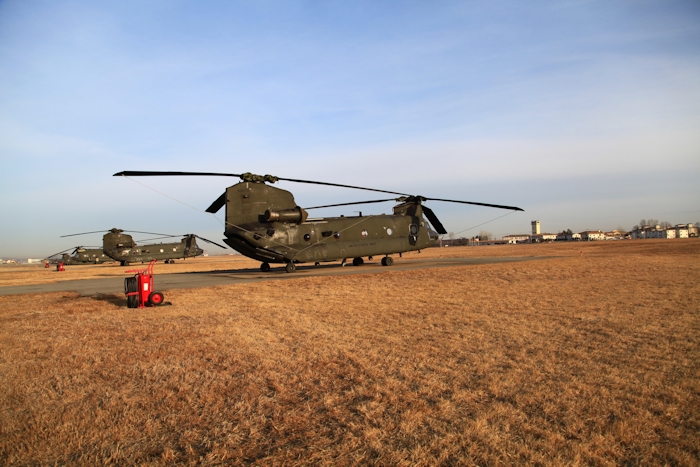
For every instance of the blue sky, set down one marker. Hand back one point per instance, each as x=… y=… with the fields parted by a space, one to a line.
x=584 y=113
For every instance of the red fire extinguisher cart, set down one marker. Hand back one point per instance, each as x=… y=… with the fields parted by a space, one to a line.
x=139 y=289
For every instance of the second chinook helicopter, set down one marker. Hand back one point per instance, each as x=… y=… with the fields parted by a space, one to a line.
x=265 y=223
x=80 y=255
x=121 y=247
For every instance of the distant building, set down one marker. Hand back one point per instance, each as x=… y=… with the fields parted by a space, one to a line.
x=535 y=228
x=656 y=231
x=568 y=236
x=520 y=238
x=590 y=235
x=544 y=237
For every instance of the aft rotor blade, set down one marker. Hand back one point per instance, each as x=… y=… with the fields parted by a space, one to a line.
x=434 y=221
x=351 y=204
x=218 y=204
x=150 y=233
x=209 y=241
x=499 y=206
x=141 y=240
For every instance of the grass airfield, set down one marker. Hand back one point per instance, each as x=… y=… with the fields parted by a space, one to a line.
x=591 y=356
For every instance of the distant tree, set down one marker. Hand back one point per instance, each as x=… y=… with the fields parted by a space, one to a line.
x=665 y=224
x=484 y=235
x=451 y=235
x=650 y=221
x=697 y=224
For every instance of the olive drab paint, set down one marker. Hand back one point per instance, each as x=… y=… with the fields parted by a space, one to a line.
x=251 y=229
x=121 y=247
x=265 y=223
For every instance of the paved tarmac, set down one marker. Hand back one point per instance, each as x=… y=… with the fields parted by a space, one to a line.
x=190 y=280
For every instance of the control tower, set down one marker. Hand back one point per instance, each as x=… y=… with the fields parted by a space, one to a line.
x=535 y=227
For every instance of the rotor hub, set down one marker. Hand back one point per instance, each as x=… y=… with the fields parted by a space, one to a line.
x=251 y=177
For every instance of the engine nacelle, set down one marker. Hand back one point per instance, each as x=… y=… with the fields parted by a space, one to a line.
x=296 y=215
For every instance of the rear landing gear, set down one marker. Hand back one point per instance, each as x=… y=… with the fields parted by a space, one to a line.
x=387 y=261
x=265 y=267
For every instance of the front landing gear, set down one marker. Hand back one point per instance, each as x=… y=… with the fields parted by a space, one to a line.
x=265 y=267
x=387 y=261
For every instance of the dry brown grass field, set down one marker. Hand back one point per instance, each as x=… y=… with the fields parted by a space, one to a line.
x=589 y=357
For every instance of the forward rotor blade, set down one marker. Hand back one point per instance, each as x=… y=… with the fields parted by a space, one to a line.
x=351 y=204
x=341 y=186
x=146 y=173
x=209 y=241
x=60 y=252
x=218 y=204
x=434 y=221
x=84 y=233
x=131 y=231
x=499 y=206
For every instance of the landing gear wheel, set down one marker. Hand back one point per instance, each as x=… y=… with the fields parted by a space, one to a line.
x=291 y=267
x=155 y=299
x=387 y=261
x=131 y=285
x=358 y=262
x=124 y=263
x=265 y=267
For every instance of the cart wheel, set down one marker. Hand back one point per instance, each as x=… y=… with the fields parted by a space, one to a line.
x=265 y=267
x=155 y=299
x=131 y=285
x=291 y=267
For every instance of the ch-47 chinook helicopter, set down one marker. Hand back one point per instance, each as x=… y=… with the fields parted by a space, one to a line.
x=121 y=247
x=265 y=223
x=80 y=255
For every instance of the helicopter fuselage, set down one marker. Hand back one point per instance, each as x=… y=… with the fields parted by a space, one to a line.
x=264 y=223
x=121 y=247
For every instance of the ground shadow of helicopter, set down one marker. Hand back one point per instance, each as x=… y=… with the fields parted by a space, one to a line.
x=121 y=247
x=265 y=223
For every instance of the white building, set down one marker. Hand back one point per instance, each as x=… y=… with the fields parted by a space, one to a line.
x=590 y=235
x=522 y=238
x=567 y=237
x=679 y=231
x=544 y=237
